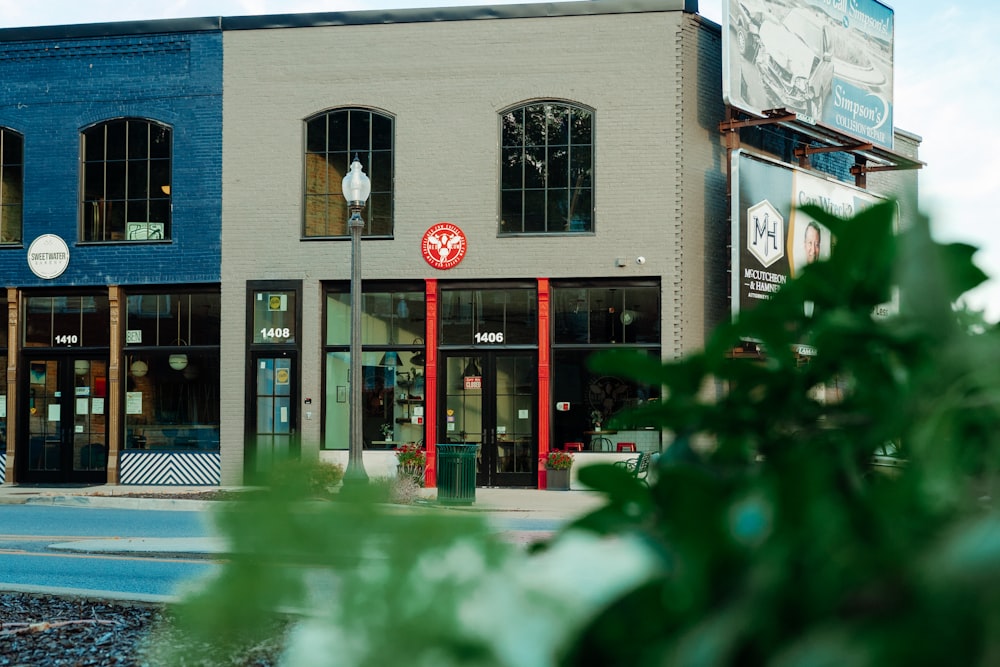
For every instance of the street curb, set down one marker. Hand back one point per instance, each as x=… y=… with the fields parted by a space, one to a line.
x=172 y=504
x=117 y=596
x=170 y=546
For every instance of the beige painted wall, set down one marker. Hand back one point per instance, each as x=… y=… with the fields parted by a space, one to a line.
x=445 y=83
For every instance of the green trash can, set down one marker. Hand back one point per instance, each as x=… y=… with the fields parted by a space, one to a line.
x=456 y=473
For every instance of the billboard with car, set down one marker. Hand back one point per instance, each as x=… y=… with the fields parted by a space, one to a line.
x=829 y=61
x=772 y=241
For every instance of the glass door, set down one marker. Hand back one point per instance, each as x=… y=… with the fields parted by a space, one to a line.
x=65 y=420
x=489 y=399
x=275 y=418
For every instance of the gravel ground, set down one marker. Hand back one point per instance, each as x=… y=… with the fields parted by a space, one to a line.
x=55 y=631
x=50 y=631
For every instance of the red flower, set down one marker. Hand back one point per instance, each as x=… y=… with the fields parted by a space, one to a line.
x=558 y=460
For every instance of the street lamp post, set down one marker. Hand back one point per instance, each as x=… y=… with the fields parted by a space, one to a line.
x=356 y=188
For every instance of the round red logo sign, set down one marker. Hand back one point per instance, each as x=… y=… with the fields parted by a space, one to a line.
x=443 y=246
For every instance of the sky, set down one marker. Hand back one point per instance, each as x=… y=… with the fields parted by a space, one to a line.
x=945 y=54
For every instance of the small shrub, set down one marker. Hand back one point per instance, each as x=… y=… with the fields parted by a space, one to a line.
x=400 y=490
x=313 y=478
x=405 y=489
x=323 y=475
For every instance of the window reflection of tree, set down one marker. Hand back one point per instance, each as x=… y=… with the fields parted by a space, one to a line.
x=546 y=168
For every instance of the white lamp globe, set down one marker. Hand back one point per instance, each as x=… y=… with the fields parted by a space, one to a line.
x=356 y=186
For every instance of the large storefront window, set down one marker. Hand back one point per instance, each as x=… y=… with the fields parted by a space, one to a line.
x=494 y=316
x=66 y=321
x=606 y=315
x=171 y=368
x=392 y=331
x=588 y=318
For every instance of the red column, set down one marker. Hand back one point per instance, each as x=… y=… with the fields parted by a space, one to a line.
x=430 y=381
x=544 y=377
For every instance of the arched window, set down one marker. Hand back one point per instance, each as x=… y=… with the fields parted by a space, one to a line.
x=547 y=169
x=333 y=138
x=126 y=181
x=11 y=185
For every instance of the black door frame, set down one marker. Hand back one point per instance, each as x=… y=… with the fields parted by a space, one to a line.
x=295 y=387
x=505 y=458
x=66 y=383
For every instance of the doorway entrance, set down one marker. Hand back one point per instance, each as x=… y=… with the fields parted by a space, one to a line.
x=63 y=420
x=273 y=417
x=489 y=398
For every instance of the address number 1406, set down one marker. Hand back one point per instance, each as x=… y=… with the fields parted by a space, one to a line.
x=490 y=337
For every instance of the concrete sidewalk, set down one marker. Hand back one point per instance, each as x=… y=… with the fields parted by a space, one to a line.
x=501 y=507
x=533 y=502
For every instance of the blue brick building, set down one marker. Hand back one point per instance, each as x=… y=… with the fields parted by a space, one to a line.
x=110 y=243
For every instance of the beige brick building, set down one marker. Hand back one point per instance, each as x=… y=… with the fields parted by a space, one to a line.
x=446 y=77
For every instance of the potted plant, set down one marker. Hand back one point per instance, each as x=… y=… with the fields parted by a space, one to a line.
x=596 y=417
x=411 y=460
x=558 y=464
x=386 y=430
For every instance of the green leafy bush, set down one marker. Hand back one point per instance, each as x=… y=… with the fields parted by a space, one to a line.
x=765 y=538
x=780 y=545
x=315 y=478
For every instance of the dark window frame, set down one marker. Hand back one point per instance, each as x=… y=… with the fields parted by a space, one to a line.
x=11 y=187
x=546 y=164
x=583 y=315
x=71 y=319
x=485 y=314
x=180 y=358
x=259 y=314
x=595 y=397
x=123 y=197
x=332 y=139
x=166 y=330
x=403 y=352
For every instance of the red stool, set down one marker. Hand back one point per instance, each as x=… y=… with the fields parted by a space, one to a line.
x=626 y=446
x=567 y=446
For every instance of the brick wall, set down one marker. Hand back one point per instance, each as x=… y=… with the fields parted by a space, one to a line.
x=445 y=83
x=54 y=88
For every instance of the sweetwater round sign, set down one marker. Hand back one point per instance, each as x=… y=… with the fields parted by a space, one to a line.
x=48 y=256
x=443 y=246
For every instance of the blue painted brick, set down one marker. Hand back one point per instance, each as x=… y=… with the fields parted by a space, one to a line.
x=50 y=90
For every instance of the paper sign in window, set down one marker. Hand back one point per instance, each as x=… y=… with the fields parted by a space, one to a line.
x=133 y=403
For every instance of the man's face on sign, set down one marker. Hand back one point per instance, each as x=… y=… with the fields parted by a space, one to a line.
x=812 y=244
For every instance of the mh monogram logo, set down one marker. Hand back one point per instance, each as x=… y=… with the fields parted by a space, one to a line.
x=765 y=233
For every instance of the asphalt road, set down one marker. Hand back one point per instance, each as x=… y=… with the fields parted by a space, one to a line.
x=44 y=547
x=27 y=561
